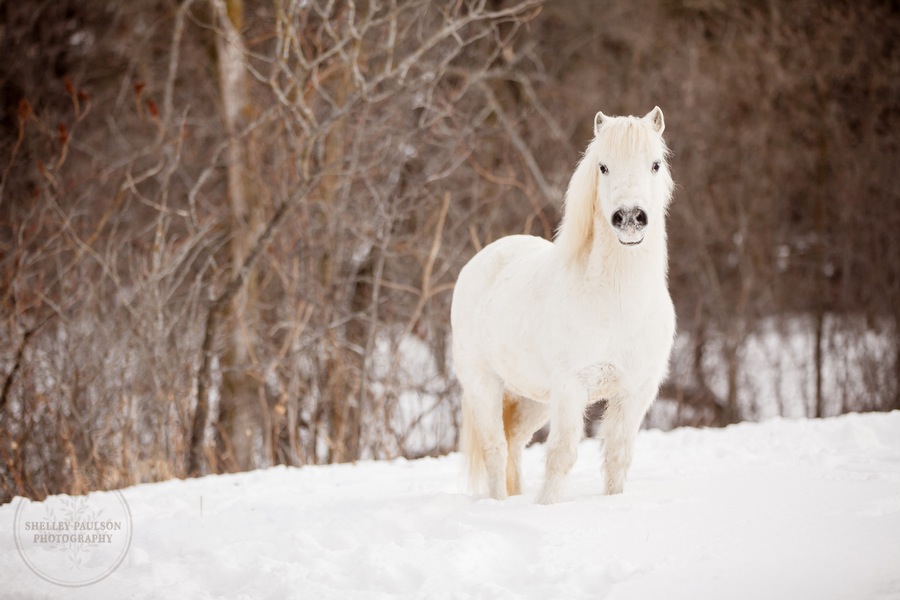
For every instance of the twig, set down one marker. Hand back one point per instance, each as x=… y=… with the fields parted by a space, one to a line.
x=174 y=52
x=547 y=190
x=17 y=361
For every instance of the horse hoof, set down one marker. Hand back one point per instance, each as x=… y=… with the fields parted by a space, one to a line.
x=548 y=497
x=612 y=490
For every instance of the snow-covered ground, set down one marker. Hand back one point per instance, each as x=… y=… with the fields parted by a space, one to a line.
x=781 y=509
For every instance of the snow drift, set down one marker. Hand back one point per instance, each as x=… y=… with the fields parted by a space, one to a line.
x=780 y=509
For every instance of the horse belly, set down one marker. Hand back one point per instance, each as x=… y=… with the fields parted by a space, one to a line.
x=522 y=372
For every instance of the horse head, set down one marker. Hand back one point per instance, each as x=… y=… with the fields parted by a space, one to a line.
x=621 y=188
x=634 y=184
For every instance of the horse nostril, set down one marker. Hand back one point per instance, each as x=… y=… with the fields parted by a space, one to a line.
x=618 y=218
x=641 y=218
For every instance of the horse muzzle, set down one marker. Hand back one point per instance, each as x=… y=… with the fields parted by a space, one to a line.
x=629 y=224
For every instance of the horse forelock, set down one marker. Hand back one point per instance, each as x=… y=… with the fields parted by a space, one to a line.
x=625 y=137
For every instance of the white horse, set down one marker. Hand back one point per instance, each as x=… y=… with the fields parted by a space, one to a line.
x=542 y=329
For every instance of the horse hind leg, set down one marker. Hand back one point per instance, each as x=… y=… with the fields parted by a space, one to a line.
x=483 y=440
x=521 y=418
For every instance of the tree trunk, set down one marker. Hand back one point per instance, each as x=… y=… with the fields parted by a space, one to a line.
x=238 y=423
x=346 y=361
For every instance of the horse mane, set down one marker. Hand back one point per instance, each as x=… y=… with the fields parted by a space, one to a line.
x=620 y=136
x=576 y=232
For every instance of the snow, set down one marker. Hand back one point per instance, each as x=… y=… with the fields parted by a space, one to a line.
x=778 y=509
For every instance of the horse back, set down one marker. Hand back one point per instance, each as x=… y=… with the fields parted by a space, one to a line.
x=496 y=261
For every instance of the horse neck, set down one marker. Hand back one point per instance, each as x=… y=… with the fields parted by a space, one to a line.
x=611 y=263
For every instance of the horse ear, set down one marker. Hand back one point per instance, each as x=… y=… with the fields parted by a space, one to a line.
x=655 y=117
x=598 y=120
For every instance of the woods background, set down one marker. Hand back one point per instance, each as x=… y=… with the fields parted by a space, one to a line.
x=229 y=230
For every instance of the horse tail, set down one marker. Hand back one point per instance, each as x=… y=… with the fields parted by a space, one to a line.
x=472 y=447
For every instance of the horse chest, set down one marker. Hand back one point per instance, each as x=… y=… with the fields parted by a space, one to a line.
x=630 y=331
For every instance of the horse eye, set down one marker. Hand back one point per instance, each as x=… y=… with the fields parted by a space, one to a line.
x=603 y=169
x=655 y=167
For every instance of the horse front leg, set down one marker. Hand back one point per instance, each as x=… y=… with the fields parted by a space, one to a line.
x=566 y=428
x=619 y=429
